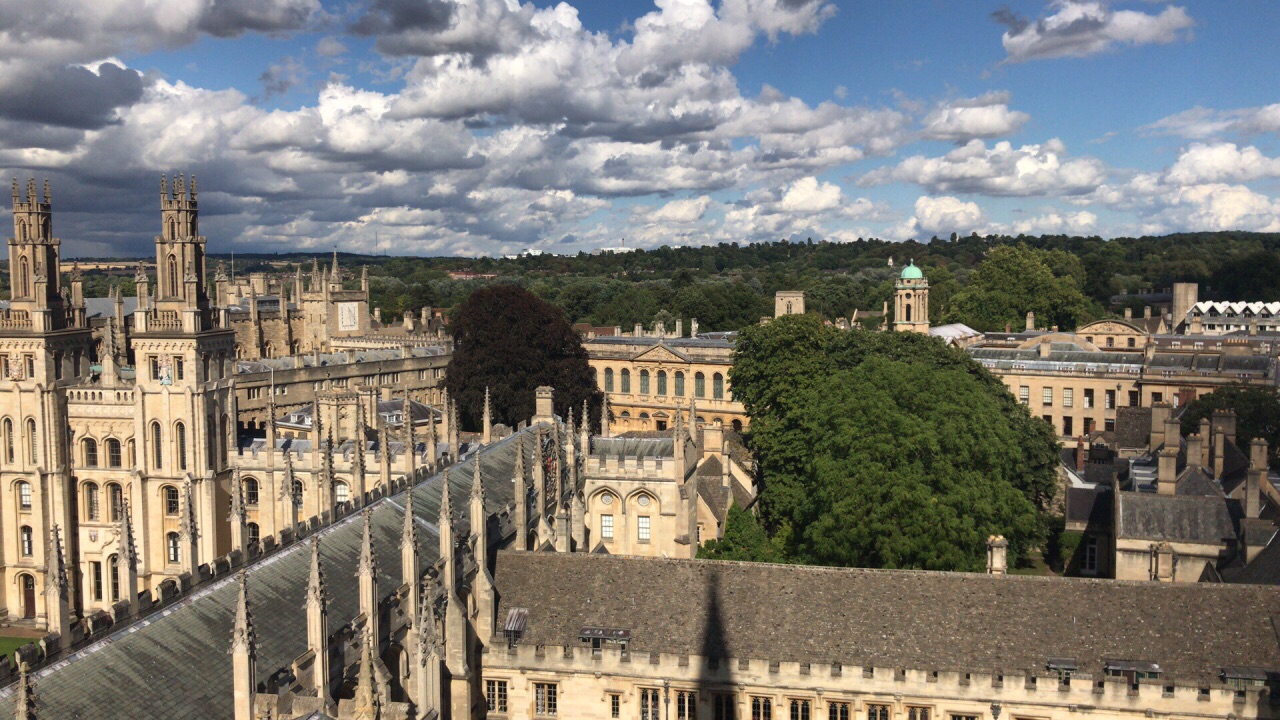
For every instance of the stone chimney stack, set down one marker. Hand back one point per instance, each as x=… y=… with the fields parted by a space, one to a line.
x=1146 y=312
x=997 y=555
x=1082 y=454
x=693 y=327
x=1224 y=421
x=1159 y=413
x=1206 y=441
x=1167 y=470
x=679 y=329
x=1128 y=313
x=1257 y=475
x=1172 y=432
x=1031 y=321
x=1195 y=449
x=638 y=330
x=544 y=406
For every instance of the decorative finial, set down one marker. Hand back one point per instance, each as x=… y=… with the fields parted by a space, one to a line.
x=48 y=198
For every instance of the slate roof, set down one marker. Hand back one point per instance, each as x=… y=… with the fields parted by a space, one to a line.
x=885 y=618
x=1089 y=506
x=1194 y=481
x=175 y=663
x=106 y=306
x=1175 y=518
x=663 y=447
x=1133 y=427
x=1263 y=570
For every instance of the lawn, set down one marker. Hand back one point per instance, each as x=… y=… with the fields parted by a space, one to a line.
x=8 y=645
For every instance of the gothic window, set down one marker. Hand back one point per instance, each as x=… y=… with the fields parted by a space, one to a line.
x=341 y=493
x=495 y=695
x=22 y=230
x=650 y=704
x=662 y=382
x=254 y=534
x=171 y=501
x=24 y=495
x=838 y=711
x=679 y=384
x=918 y=713
x=173 y=229
x=546 y=699
x=908 y=309
x=608 y=379
x=172 y=544
x=32 y=450
x=95 y=577
x=877 y=712
x=28 y=541
x=133 y=452
x=90 y=501
x=113 y=570
x=644 y=382
x=157 y=445
x=173 y=276
x=724 y=707
x=113 y=454
x=717 y=386
x=8 y=440
x=800 y=709
x=115 y=496
x=180 y=432
x=762 y=708
x=90 y=452
x=297 y=493
x=626 y=380
x=225 y=438
x=250 y=492
x=24 y=278
x=687 y=705
x=699 y=385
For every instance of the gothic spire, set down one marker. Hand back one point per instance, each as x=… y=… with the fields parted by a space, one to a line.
x=25 y=705
x=368 y=563
x=242 y=637
x=487 y=429
x=315 y=584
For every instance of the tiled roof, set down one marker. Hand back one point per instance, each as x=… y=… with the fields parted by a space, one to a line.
x=175 y=664
x=1175 y=518
x=900 y=619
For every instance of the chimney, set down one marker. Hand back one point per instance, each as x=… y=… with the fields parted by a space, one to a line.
x=660 y=329
x=1008 y=327
x=997 y=555
x=544 y=405
x=1219 y=454
x=693 y=327
x=1128 y=313
x=1045 y=348
x=1146 y=312
x=377 y=315
x=1254 y=480
x=1195 y=449
x=637 y=331
x=1082 y=454
x=1206 y=441
x=1172 y=432
x=1224 y=421
x=1031 y=321
x=1167 y=470
x=1159 y=413
x=1162 y=562
x=679 y=329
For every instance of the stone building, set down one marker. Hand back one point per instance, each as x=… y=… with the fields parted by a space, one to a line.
x=133 y=419
x=648 y=378
x=440 y=618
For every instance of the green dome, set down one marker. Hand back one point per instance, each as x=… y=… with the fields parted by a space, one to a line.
x=911 y=272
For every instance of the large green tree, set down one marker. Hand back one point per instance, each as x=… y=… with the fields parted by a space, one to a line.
x=1016 y=279
x=1257 y=412
x=508 y=340
x=888 y=449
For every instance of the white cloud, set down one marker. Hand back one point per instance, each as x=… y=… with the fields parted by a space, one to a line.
x=1221 y=162
x=1078 y=28
x=987 y=116
x=808 y=196
x=687 y=210
x=1053 y=223
x=947 y=214
x=1199 y=123
x=1000 y=170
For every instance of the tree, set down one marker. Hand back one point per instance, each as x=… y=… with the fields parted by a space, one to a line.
x=744 y=539
x=508 y=340
x=1015 y=280
x=888 y=449
x=1257 y=412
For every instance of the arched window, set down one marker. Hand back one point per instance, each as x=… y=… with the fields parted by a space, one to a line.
x=113 y=575
x=699 y=385
x=115 y=499
x=250 y=491
x=644 y=382
x=253 y=532
x=717 y=386
x=173 y=276
x=24 y=279
x=28 y=541
x=679 y=384
x=172 y=544
x=225 y=438
x=171 y=502
x=133 y=452
x=340 y=492
x=907 y=307
x=173 y=229
x=8 y=440
x=24 y=495
x=22 y=230
x=626 y=380
x=113 y=454
x=157 y=445
x=33 y=455
x=662 y=382
x=297 y=493
x=180 y=431
x=608 y=379
x=90 y=452
x=90 y=492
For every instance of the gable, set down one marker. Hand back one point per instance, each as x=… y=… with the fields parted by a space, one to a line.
x=1111 y=327
x=660 y=353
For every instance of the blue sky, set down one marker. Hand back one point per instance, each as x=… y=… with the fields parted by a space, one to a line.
x=491 y=126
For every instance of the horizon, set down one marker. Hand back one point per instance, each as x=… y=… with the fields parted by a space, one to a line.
x=491 y=127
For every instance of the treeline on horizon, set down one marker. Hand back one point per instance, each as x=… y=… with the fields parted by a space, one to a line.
x=730 y=285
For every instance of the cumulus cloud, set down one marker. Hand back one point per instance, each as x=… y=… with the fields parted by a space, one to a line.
x=1053 y=222
x=946 y=214
x=686 y=210
x=1221 y=162
x=1199 y=123
x=1001 y=169
x=962 y=120
x=1078 y=28
x=73 y=96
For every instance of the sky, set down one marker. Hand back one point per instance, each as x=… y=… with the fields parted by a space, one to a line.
x=488 y=127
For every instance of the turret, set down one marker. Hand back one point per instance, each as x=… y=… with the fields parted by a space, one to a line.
x=57 y=598
x=367 y=573
x=243 y=659
x=318 y=625
x=409 y=555
x=482 y=588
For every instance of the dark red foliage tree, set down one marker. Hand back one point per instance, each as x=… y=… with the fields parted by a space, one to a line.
x=510 y=341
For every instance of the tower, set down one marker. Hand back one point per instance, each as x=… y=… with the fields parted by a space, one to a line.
x=788 y=302
x=911 y=301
